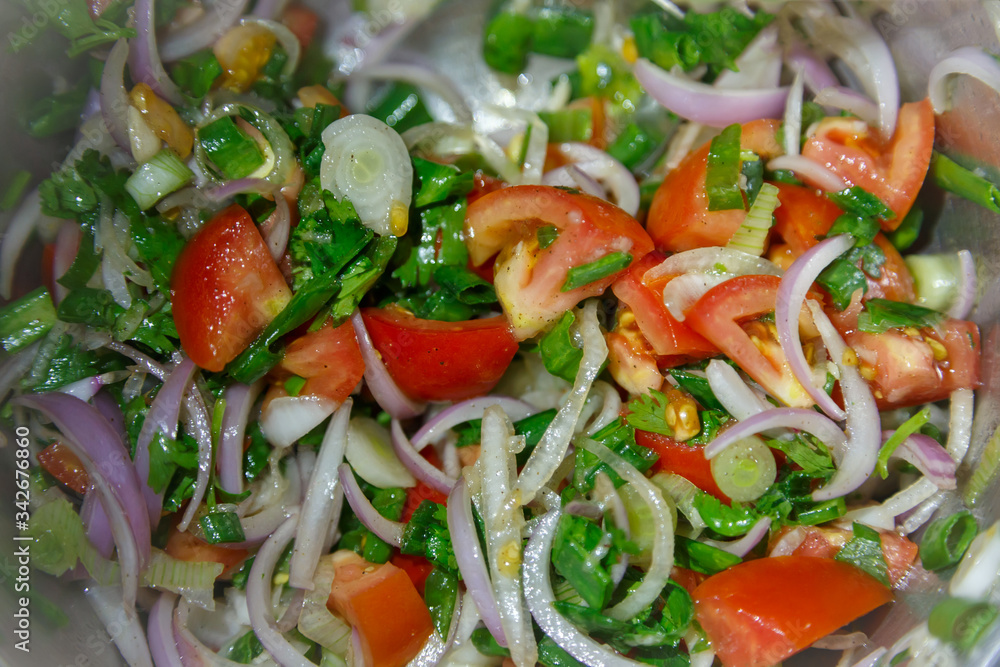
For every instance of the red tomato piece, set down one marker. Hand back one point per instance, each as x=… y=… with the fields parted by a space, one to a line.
x=682 y=459
x=718 y=316
x=303 y=23
x=421 y=492
x=679 y=218
x=440 y=361
x=688 y=579
x=330 y=360
x=894 y=171
x=528 y=278
x=225 y=289
x=927 y=366
x=673 y=342
x=804 y=217
x=59 y=461
x=826 y=542
x=760 y=612
x=382 y=604
x=417 y=568
x=187 y=547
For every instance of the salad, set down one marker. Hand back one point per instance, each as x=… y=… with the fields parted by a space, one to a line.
x=622 y=356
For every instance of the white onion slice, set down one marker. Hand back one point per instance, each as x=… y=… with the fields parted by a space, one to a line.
x=503 y=522
x=366 y=161
x=742 y=546
x=794 y=286
x=706 y=260
x=608 y=171
x=114 y=99
x=239 y=399
x=318 y=504
x=969 y=60
x=388 y=530
x=541 y=602
x=122 y=624
x=965 y=297
x=816 y=74
x=841 y=97
x=385 y=390
x=550 y=451
x=259 y=598
x=960 y=423
x=203 y=32
x=736 y=397
x=662 y=559
x=976 y=574
x=370 y=453
x=857 y=457
x=795 y=418
x=706 y=104
x=759 y=66
x=160 y=632
x=808 y=170
x=793 y=116
x=198 y=423
x=285 y=419
x=418 y=466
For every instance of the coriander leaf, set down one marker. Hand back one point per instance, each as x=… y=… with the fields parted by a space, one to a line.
x=87 y=259
x=619 y=437
x=158 y=244
x=560 y=355
x=580 y=555
x=245 y=649
x=728 y=521
x=221 y=527
x=324 y=242
x=813 y=460
x=439 y=182
x=858 y=202
x=702 y=557
x=59 y=362
x=864 y=551
x=648 y=413
x=441 y=593
x=426 y=534
x=698 y=387
x=440 y=243
x=711 y=422
x=26 y=320
x=464 y=285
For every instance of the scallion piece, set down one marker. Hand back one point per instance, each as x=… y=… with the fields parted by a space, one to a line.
x=744 y=470
x=751 y=236
x=961 y=622
x=547 y=235
x=15 y=190
x=507 y=42
x=880 y=315
x=24 y=321
x=955 y=178
x=909 y=229
x=196 y=73
x=947 y=539
x=154 y=180
x=822 y=512
x=568 y=124
x=562 y=32
x=222 y=527
x=294 y=385
x=722 y=178
x=230 y=149
x=701 y=557
x=635 y=145
x=905 y=430
x=606 y=266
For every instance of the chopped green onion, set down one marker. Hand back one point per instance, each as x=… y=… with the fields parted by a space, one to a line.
x=196 y=73
x=636 y=144
x=568 y=124
x=55 y=113
x=822 y=512
x=559 y=354
x=507 y=42
x=752 y=175
x=84 y=264
x=722 y=178
x=26 y=320
x=702 y=557
x=955 y=178
x=547 y=235
x=15 y=190
x=744 y=470
x=946 y=540
x=578 y=549
x=154 y=180
x=880 y=315
x=908 y=231
x=751 y=236
x=399 y=106
x=961 y=622
x=230 y=149
x=562 y=32
x=905 y=430
x=244 y=650
x=858 y=202
x=294 y=385
x=222 y=527
x=441 y=593
x=610 y=264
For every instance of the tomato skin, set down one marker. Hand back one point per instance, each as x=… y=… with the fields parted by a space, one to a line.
x=805 y=216
x=682 y=459
x=673 y=342
x=59 y=461
x=679 y=218
x=382 y=604
x=187 y=547
x=717 y=316
x=893 y=170
x=330 y=360
x=440 y=361
x=529 y=278
x=417 y=568
x=225 y=289
x=826 y=542
x=760 y=612
x=903 y=370
x=303 y=23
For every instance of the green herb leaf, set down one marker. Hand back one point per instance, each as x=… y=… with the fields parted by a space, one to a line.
x=222 y=527
x=426 y=534
x=965 y=183
x=698 y=387
x=729 y=521
x=864 y=551
x=606 y=266
x=580 y=555
x=559 y=354
x=648 y=413
x=231 y=150
x=722 y=178
x=441 y=593
x=619 y=437
x=880 y=315
x=26 y=320
x=245 y=649
x=439 y=182
x=946 y=540
x=905 y=430
x=702 y=557
x=858 y=202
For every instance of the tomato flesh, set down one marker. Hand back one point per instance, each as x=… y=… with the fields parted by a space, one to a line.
x=59 y=461
x=225 y=289
x=760 y=612
x=187 y=547
x=328 y=358
x=679 y=218
x=682 y=459
x=382 y=604
x=894 y=171
x=529 y=278
x=440 y=361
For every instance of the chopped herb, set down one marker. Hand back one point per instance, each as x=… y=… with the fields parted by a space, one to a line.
x=729 y=521
x=961 y=622
x=946 y=540
x=619 y=437
x=560 y=355
x=581 y=556
x=905 y=430
x=571 y=124
x=230 y=149
x=439 y=182
x=26 y=320
x=441 y=593
x=702 y=557
x=426 y=534
x=609 y=265
x=858 y=202
x=222 y=527
x=864 y=551
x=547 y=235
x=908 y=231
x=880 y=315
x=507 y=41
x=722 y=178
x=648 y=413
x=196 y=73
x=698 y=387
x=965 y=183
x=245 y=649
x=15 y=189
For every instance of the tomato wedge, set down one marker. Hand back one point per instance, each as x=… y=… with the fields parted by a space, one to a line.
x=760 y=612
x=225 y=289
x=826 y=541
x=382 y=604
x=59 y=461
x=528 y=278
x=328 y=358
x=719 y=315
x=440 y=361
x=805 y=216
x=912 y=367
x=679 y=218
x=893 y=170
